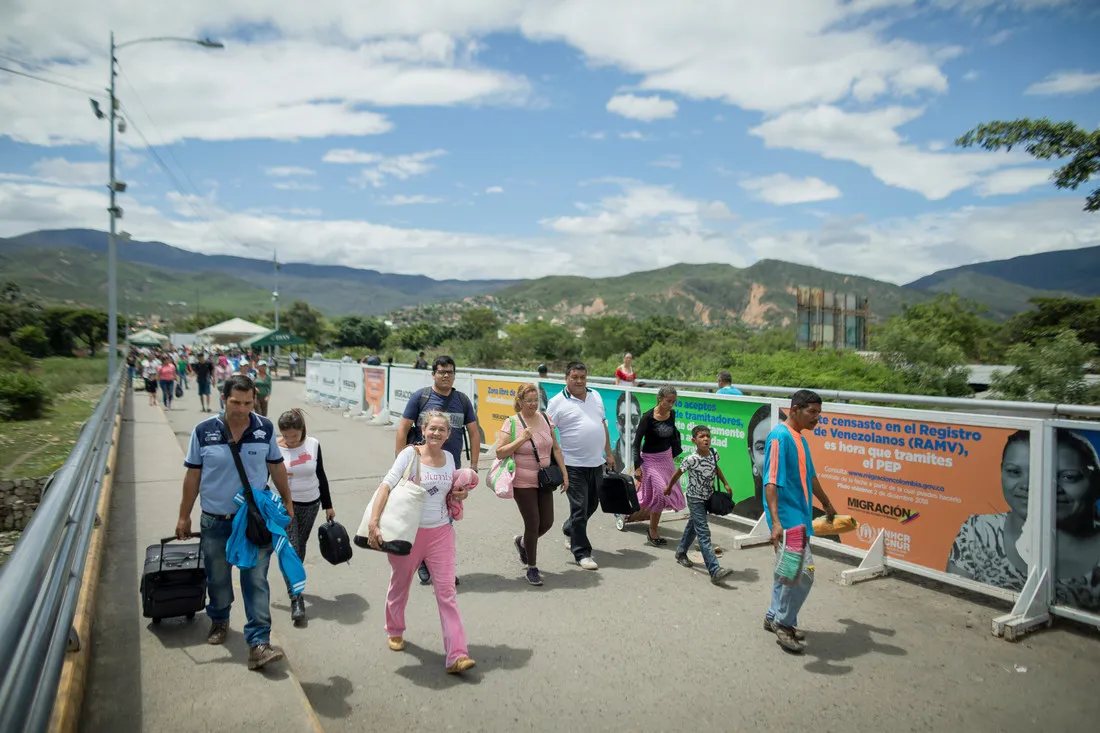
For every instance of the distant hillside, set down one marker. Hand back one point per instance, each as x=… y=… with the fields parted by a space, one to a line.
x=333 y=289
x=1002 y=298
x=760 y=295
x=1071 y=270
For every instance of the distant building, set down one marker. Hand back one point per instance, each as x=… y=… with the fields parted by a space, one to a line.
x=828 y=320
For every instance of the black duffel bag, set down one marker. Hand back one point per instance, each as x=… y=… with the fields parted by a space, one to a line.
x=720 y=503
x=618 y=494
x=335 y=545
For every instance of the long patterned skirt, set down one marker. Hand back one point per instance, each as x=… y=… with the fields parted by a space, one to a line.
x=657 y=469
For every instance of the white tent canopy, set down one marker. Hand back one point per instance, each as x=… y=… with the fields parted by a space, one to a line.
x=146 y=336
x=235 y=329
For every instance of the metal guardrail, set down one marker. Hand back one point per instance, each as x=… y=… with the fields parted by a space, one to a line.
x=40 y=582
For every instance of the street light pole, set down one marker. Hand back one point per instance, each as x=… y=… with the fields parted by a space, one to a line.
x=112 y=245
x=115 y=186
x=275 y=295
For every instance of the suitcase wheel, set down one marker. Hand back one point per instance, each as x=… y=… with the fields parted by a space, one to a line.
x=620 y=522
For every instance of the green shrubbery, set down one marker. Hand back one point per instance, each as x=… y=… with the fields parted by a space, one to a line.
x=22 y=395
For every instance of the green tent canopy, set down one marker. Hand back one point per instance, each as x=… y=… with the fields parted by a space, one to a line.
x=271 y=339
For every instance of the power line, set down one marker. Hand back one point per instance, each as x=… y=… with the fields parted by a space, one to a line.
x=51 y=81
x=41 y=69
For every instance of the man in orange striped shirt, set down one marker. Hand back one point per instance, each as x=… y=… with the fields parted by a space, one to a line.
x=789 y=480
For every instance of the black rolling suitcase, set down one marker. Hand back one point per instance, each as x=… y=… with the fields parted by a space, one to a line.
x=618 y=494
x=335 y=545
x=174 y=580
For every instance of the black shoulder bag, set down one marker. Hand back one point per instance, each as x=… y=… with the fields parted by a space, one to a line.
x=256 y=530
x=720 y=503
x=550 y=477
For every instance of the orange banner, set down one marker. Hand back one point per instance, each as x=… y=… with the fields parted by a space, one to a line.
x=919 y=481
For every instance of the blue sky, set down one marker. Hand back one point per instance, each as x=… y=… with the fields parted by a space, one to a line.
x=502 y=138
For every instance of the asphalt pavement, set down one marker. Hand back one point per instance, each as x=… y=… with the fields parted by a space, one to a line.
x=643 y=644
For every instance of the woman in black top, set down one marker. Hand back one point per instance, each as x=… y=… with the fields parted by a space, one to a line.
x=656 y=445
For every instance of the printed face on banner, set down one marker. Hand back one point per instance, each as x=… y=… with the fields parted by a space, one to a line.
x=738 y=431
x=1076 y=483
x=374 y=389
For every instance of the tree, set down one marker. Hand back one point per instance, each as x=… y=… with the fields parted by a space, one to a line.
x=1053 y=315
x=1044 y=140
x=262 y=318
x=204 y=319
x=930 y=366
x=89 y=326
x=305 y=321
x=56 y=325
x=543 y=341
x=950 y=319
x=360 y=331
x=32 y=341
x=606 y=336
x=476 y=323
x=1051 y=370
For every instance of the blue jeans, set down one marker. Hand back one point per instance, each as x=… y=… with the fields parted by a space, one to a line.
x=183 y=379
x=697 y=527
x=167 y=391
x=787 y=600
x=219 y=582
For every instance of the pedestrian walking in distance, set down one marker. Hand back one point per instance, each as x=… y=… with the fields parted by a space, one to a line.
x=305 y=472
x=789 y=478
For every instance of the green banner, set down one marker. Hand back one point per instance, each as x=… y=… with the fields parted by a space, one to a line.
x=738 y=430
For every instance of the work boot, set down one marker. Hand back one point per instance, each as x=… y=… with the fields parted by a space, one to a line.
x=298 y=610
x=217 y=633
x=262 y=654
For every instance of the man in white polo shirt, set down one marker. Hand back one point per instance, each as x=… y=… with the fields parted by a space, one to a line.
x=579 y=416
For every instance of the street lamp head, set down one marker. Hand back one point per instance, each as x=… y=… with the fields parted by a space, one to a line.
x=207 y=43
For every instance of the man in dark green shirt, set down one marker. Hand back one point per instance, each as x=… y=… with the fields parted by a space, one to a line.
x=263 y=387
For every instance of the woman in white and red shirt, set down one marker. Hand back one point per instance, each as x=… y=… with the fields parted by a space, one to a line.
x=305 y=473
x=533 y=430
x=624 y=375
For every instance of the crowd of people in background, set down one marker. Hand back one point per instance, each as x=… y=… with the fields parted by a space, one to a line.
x=170 y=372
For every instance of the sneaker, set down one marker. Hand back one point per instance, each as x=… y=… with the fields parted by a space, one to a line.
x=298 y=610
x=588 y=563
x=217 y=633
x=396 y=643
x=533 y=576
x=461 y=665
x=771 y=625
x=682 y=558
x=721 y=575
x=425 y=576
x=784 y=637
x=263 y=654
x=518 y=542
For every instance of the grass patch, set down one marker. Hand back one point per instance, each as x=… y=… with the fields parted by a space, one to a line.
x=64 y=374
x=33 y=448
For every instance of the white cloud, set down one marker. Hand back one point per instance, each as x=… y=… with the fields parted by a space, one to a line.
x=1000 y=37
x=401 y=167
x=494 y=189
x=295 y=186
x=1066 y=82
x=597 y=135
x=640 y=207
x=288 y=171
x=667 y=161
x=633 y=135
x=784 y=189
x=284 y=211
x=645 y=109
x=1013 y=180
x=402 y=200
x=972 y=75
x=65 y=172
x=871 y=139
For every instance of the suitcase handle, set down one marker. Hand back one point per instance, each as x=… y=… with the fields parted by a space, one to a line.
x=173 y=538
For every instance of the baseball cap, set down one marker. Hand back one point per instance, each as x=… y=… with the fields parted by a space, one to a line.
x=261 y=362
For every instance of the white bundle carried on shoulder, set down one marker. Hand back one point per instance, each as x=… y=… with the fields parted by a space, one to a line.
x=400 y=518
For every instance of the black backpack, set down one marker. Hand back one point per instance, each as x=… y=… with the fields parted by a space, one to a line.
x=335 y=545
x=413 y=437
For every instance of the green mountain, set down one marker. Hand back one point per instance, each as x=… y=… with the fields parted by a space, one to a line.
x=1075 y=271
x=1002 y=298
x=761 y=295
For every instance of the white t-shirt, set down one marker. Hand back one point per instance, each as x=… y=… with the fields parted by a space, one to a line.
x=301 y=470
x=581 y=426
x=149 y=369
x=437 y=482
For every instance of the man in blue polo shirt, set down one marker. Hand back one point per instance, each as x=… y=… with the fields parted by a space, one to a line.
x=789 y=480
x=212 y=478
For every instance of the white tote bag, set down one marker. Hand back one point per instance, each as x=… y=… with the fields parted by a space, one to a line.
x=400 y=518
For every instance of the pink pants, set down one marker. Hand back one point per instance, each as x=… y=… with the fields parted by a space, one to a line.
x=436 y=548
